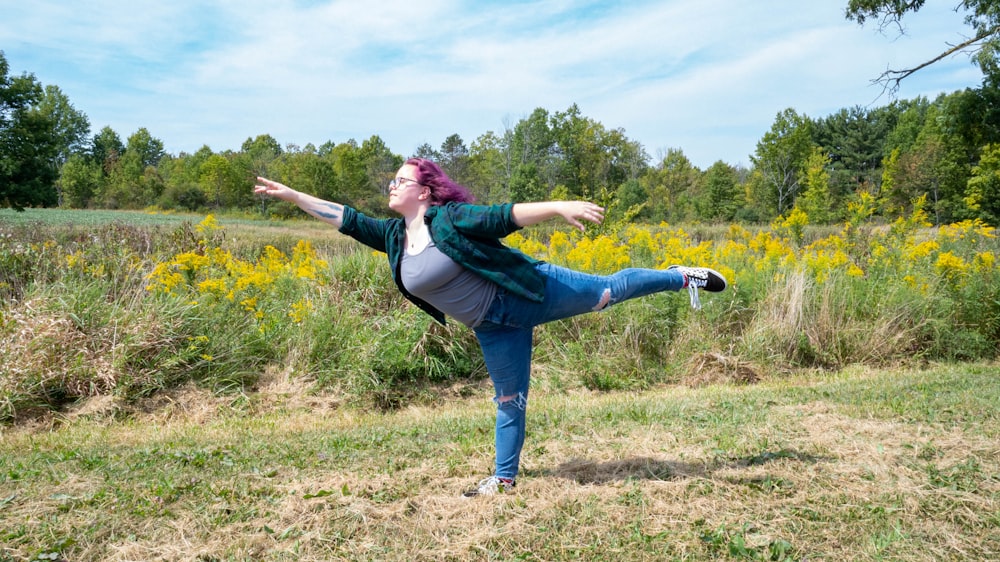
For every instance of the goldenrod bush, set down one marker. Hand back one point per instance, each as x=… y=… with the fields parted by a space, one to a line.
x=858 y=295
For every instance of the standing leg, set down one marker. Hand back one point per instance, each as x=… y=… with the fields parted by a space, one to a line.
x=507 y=352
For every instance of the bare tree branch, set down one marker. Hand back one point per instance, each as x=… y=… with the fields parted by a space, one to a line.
x=891 y=79
x=894 y=17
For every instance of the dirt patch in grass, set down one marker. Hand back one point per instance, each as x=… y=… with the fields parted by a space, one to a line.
x=715 y=368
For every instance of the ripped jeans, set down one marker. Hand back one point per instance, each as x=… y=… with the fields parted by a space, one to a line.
x=505 y=336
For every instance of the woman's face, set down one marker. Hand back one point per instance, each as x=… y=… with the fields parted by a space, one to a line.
x=404 y=191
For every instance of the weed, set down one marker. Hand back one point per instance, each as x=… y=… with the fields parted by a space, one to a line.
x=742 y=544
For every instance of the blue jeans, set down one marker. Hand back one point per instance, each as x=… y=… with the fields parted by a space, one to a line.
x=506 y=331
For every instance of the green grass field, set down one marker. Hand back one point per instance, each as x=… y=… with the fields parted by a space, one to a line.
x=84 y=217
x=858 y=465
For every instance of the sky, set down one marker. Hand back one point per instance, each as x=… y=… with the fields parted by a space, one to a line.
x=707 y=77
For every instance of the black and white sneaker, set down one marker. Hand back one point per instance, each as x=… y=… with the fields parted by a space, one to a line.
x=700 y=278
x=492 y=486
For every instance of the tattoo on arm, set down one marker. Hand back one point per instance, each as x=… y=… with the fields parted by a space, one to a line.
x=334 y=212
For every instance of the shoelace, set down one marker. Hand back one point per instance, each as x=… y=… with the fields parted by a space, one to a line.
x=693 y=292
x=692 y=286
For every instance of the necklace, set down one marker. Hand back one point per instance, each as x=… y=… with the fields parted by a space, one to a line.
x=417 y=238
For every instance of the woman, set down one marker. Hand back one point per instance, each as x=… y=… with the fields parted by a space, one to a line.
x=446 y=257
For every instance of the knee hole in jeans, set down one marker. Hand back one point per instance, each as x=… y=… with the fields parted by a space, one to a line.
x=604 y=302
x=519 y=401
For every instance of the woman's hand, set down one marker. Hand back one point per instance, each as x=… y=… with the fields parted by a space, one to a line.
x=527 y=214
x=326 y=211
x=274 y=189
x=576 y=211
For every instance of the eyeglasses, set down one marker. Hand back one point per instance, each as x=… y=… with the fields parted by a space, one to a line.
x=400 y=183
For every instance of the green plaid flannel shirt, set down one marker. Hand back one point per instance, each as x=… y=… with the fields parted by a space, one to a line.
x=468 y=234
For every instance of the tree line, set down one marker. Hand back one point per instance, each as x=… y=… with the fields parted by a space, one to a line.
x=946 y=150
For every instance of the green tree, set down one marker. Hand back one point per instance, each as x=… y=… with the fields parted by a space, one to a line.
x=258 y=154
x=310 y=172
x=983 y=191
x=973 y=115
x=722 y=193
x=932 y=151
x=936 y=166
x=133 y=181
x=220 y=182
x=949 y=165
x=70 y=126
x=913 y=174
x=79 y=179
x=633 y=195
x=455 y=159
x=526 y=185
x=181 y=176
x=532 y=142
x=576 y=142
x=142 y=150
x=381 y=165
x=816 y=201
x=672 y=188
x=855 y=139
x=28 y=143
x=106 y=149
x=490 y=167
x=351 y=171
x=185 y=168
x=891 y=201
x=592 y=158
x=911 y=115
x=427 y=152
x=779 y=158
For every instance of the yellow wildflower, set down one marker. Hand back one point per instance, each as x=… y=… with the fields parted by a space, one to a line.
x=527 y=245
x=249 y=304
x=737 y=233
x=559 y=246
x=922 y=250
x=213 y=286
x=190 y=261
x=75 y=260
x=208 y=225
x=300 y=310
x=598 y=256
x=984 y=262
x=164 y=279
x=950 y=265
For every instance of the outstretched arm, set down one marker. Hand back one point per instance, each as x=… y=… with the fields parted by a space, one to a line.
x=527 y=214
x=325 y=211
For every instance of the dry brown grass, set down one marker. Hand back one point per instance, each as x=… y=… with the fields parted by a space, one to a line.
x=44 y=347
x=715 y=368
x=802 y=323
x=656 y=475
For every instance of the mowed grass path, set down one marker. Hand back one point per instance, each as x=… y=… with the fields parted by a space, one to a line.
x=859 y=465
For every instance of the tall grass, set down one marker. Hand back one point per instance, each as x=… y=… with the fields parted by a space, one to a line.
x=127 y=309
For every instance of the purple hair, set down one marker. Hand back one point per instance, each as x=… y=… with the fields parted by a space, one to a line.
x=443 y=188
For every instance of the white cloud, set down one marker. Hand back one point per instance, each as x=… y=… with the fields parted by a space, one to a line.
x=706 y=76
